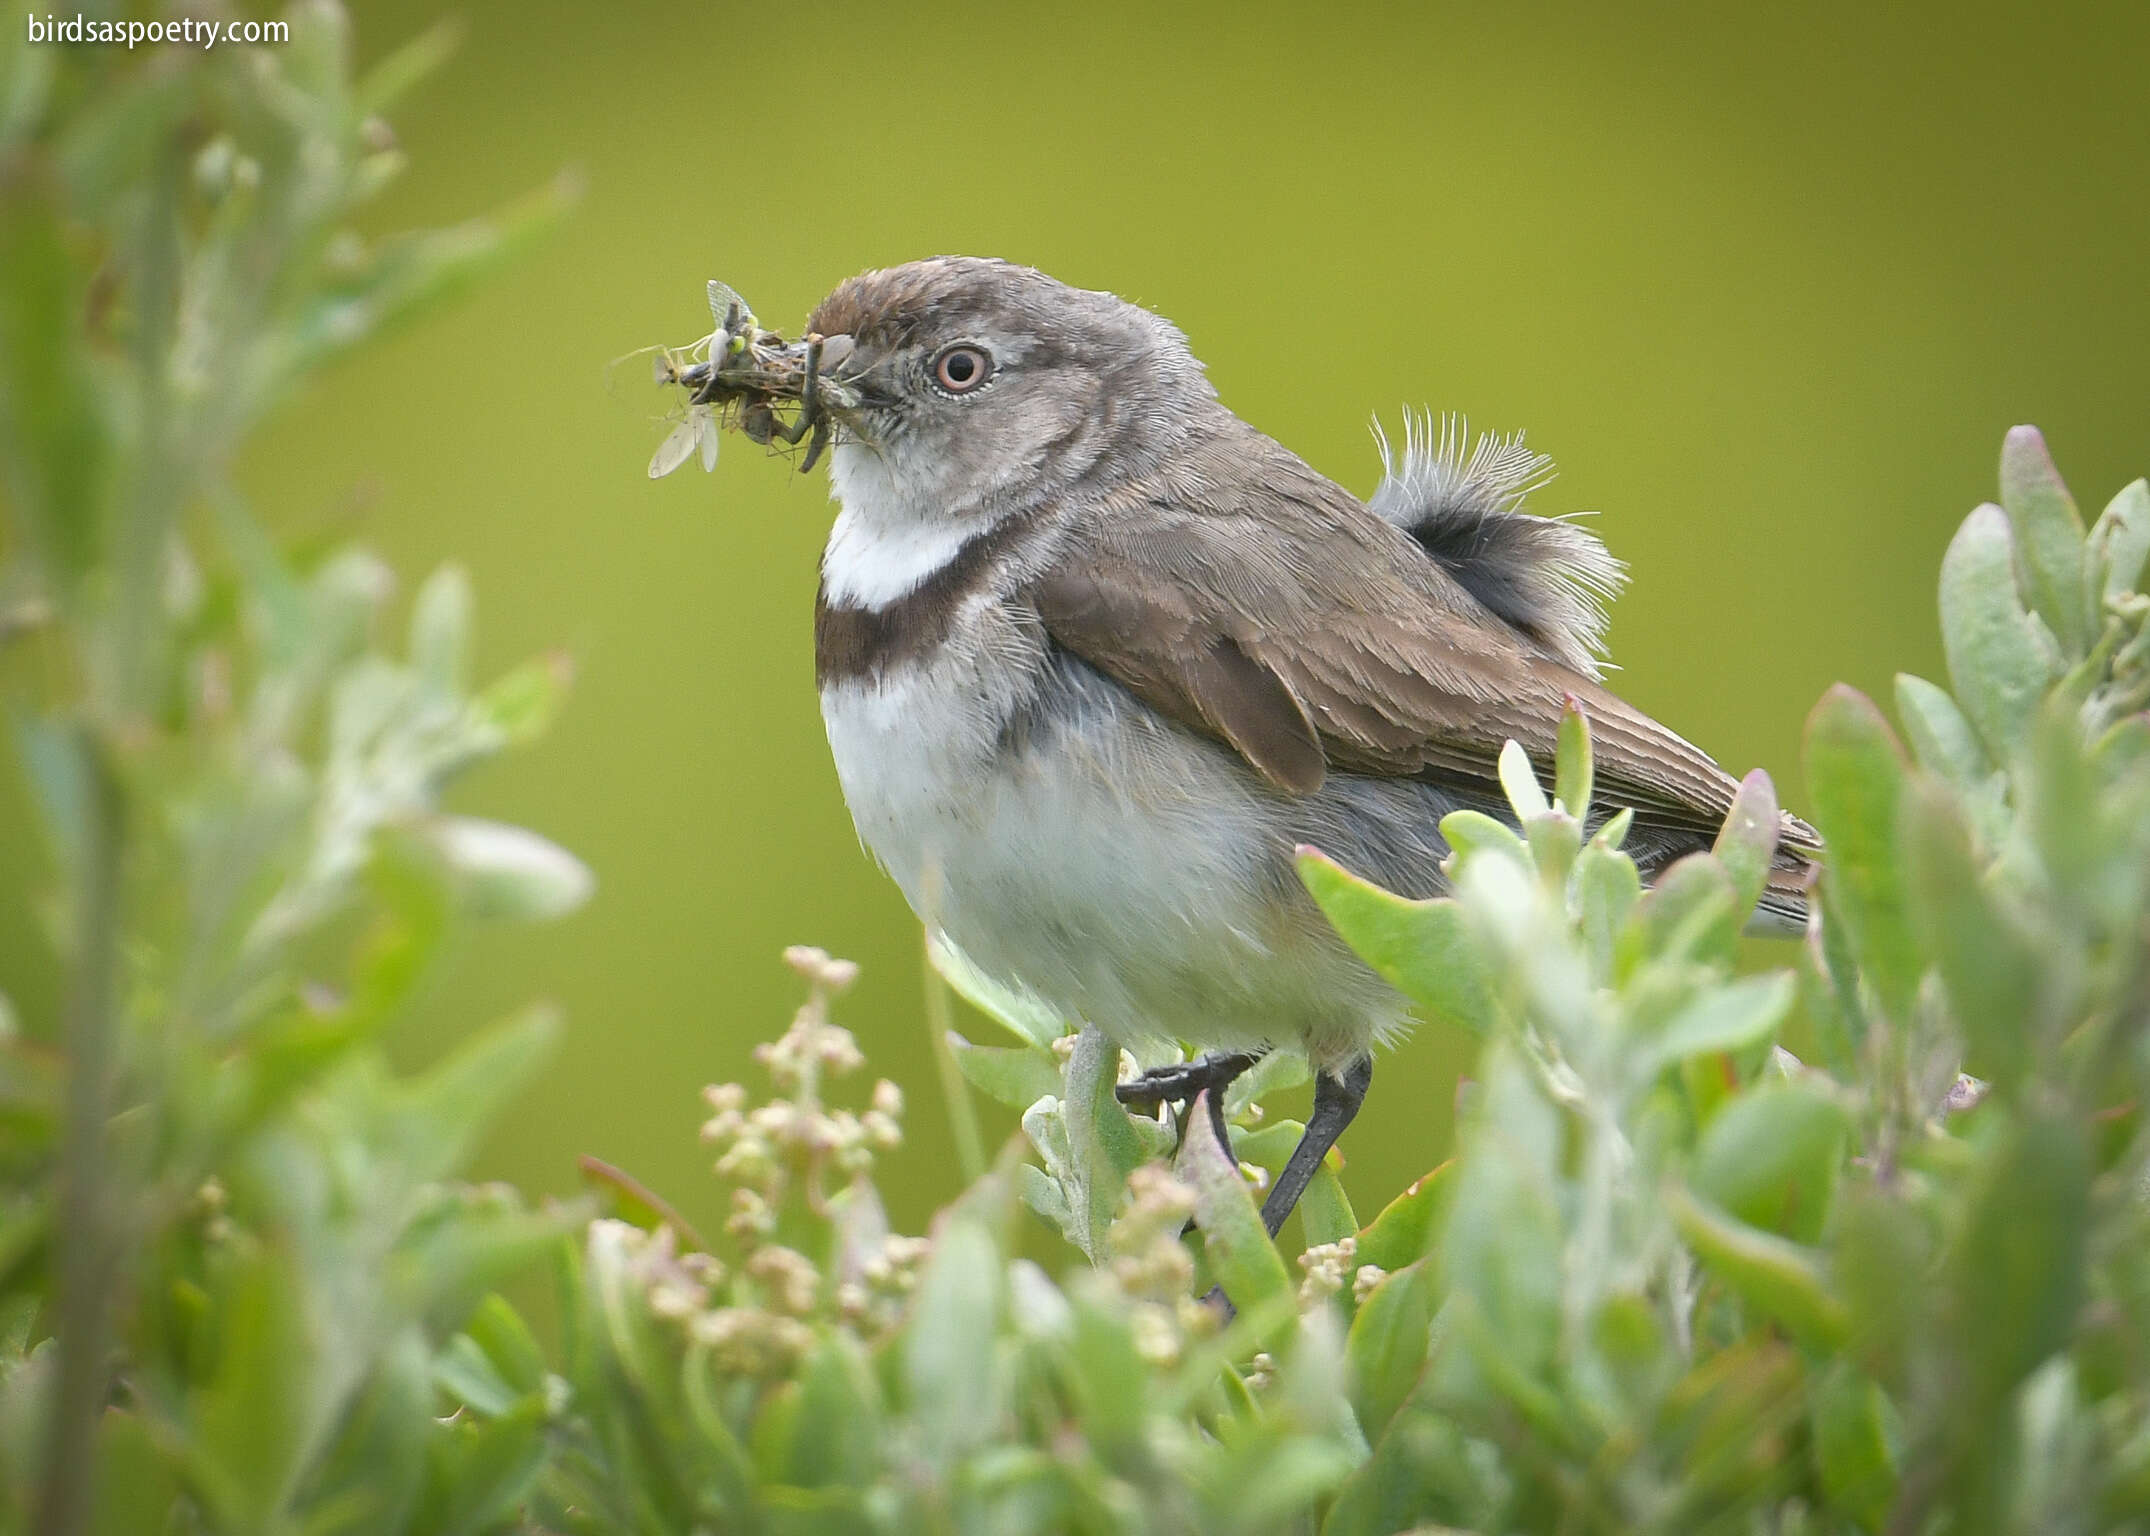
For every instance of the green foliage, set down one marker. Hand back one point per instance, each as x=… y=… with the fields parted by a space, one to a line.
x=1675 y=1277
x=808 y=1370
x=232 y=1257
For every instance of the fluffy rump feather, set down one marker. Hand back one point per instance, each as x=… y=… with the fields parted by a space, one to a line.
x=1462 y=499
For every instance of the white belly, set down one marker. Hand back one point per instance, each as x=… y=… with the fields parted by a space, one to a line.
x=1127 y=873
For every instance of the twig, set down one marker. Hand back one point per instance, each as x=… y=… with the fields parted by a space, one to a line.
x=962 y=1114
x=87 y=1252
x=940 y=1022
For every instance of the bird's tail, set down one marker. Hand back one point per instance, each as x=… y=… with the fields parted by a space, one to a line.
x=1461 y=498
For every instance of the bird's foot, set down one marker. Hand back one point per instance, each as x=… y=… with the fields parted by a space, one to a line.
x=1185 y=1081
x=1180 y=1082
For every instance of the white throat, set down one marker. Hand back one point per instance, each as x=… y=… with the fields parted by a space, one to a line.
x=887 y=540
x=871 y=562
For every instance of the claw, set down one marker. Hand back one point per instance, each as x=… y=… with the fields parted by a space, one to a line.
x=1180 y=1082
x=815 y=445
x=1204 y=1079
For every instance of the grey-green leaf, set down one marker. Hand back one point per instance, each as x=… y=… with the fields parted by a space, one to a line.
x=511 y=872
x=1088 y=1145
x=1940 y=737
x=2120 y=541
x=1855 y=776
x=1779 y=1278
x=948 y=1348
x=1572 y=763
x=1017 y=1076
x=520 y=705
x=1989 y=966
x=2048 y=537
x=1242 y=1257
x=2000 y=658
x=1771 y=1156
x=1405 y=1229
x=1520 y=781
x=1607 y=886
x=442 y=1113
x=1101 y=1138
x=1851 y=1446
x=1504 y=1236
x=2018 y=1275
x=262 y=1412
x=1727 y=1018
x=1424 y=949
x=1470 y=833
x=1276 y=1071
x=440 y=629
x=1748 y=842
x=1387 y=1344
x=1020 y=1014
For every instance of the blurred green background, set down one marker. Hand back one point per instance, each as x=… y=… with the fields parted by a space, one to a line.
x=1769 y=284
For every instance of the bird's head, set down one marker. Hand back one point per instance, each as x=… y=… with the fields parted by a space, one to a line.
x=975 y=388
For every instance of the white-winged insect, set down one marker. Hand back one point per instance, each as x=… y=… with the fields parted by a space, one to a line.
x=730 y=311
x=699 y=429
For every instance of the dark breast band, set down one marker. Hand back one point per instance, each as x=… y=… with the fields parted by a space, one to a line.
x=853 y=643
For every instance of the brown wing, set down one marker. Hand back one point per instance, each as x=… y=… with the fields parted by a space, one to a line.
x=1275 y=612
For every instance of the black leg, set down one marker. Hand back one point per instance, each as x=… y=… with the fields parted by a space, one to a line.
x=1336 y=1104
x=1182 y=1081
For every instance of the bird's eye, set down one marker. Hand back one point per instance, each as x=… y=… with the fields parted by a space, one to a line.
x=959 y=370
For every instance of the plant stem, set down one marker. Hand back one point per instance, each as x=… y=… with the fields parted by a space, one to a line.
x=163 y=464
x=962 y=1114
x=87 y=1252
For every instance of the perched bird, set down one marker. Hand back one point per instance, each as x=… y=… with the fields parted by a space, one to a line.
x=1095 y=656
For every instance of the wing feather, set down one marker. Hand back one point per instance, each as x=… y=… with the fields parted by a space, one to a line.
x=1264 y=605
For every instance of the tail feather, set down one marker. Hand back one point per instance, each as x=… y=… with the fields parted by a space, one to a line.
x=1461 y=498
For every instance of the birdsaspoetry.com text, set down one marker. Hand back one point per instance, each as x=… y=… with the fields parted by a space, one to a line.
x=197 y=34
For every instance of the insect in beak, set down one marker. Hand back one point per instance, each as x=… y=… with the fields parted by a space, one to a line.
x=802 y=372
x=742 y=372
